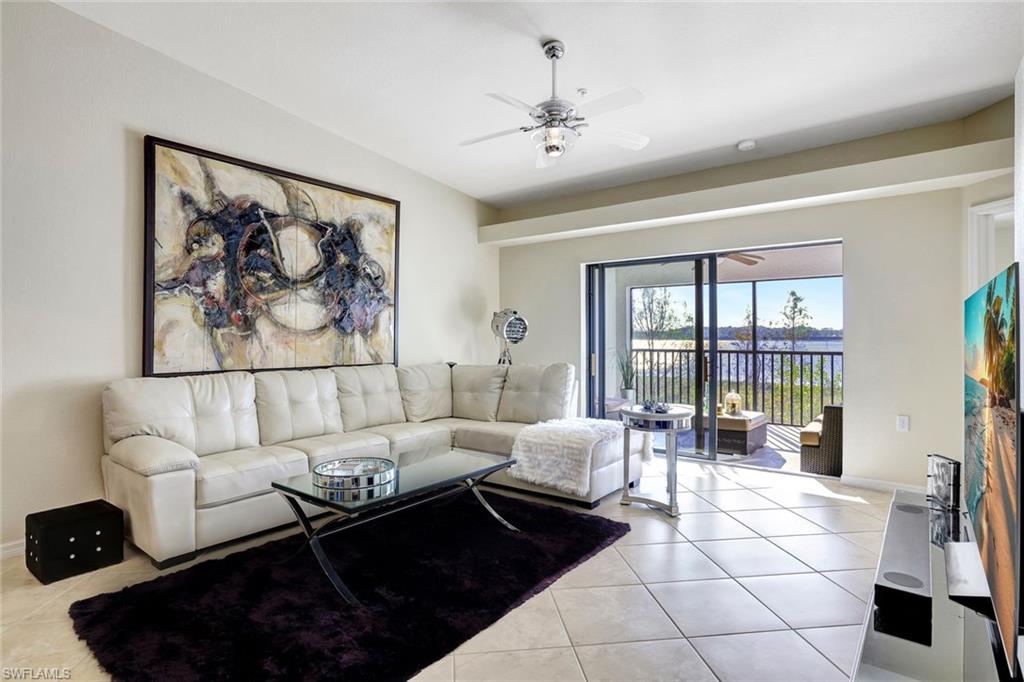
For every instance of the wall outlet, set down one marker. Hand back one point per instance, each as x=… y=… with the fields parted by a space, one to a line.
x=902 y=423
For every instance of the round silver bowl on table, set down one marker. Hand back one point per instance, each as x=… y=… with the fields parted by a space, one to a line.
x=356 y=479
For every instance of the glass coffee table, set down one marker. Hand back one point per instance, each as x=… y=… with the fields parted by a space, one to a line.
x=418 y=477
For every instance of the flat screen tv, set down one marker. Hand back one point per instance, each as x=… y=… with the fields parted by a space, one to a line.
x=992 y=443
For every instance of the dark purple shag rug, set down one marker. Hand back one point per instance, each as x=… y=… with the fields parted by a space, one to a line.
x=428 y=578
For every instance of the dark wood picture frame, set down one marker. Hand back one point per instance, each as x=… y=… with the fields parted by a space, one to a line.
x=149 y=271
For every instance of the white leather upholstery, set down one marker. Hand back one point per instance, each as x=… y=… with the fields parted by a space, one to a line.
x=426 y=391
x=296 y=404
x=413 y=436
x=227 y=476
x=453 y=423
x=159 y=510
x=417 y=456
x=339 y=445
x=186 y=465
x=499 y=437
x=149 y=407
x=494 y=437
x=536 y=393
x=225 y=411
x=224 y=522
x=151 y=455
x=209 y=413
x=369 y=396
x=476 y=391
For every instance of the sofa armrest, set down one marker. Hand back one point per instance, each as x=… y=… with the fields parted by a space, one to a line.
x=152 y=455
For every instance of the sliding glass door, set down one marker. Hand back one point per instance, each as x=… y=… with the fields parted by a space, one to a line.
x=651 y=336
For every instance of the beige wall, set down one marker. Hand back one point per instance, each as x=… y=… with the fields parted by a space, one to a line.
x=902 y=311
x=1018 y=166
x=1004 y=245
x=77 y=100
x=974 y=195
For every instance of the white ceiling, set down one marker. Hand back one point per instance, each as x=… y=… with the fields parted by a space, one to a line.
x=407 y=80
x=820 y=260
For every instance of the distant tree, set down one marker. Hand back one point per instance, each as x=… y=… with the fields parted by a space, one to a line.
x=998 y=344
x=795 y=319
x=654 y=313
x=745 y=334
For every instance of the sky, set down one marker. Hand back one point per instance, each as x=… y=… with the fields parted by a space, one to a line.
x=823 y=299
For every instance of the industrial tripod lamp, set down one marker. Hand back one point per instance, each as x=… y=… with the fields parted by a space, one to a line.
x=508 y=326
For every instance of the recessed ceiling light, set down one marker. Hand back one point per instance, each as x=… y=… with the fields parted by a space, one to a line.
x=746 y=145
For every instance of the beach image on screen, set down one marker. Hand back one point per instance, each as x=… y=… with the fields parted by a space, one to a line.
x=990 y=441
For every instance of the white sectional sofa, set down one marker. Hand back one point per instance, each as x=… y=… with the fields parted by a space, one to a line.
x=190 y=459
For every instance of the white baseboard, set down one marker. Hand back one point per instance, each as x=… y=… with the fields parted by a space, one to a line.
x=13 y=548
x=877 y=484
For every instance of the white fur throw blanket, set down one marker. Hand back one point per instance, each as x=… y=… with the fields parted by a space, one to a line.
x=557 y=453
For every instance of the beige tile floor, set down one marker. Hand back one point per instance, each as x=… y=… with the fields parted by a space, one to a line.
x=767 y=582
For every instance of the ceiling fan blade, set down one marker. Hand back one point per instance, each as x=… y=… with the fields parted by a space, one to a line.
x=741 y=258
x=517 y=103
x=483 y=138
x=543 y=160
x=610 y=102
x=622 y=138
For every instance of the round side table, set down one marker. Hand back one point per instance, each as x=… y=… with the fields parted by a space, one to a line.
x=669 y=423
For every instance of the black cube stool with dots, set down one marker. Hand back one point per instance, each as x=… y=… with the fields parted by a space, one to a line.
x=72 y=540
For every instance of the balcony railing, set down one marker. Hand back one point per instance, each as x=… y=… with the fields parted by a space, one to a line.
x=790 y=387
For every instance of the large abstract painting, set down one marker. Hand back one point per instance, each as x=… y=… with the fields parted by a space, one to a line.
x=248 y=267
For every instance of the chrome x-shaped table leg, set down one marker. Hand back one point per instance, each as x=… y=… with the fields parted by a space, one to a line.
x=313 y=538
x=471 y=484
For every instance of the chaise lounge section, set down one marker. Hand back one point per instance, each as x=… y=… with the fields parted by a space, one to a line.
x=190 y=459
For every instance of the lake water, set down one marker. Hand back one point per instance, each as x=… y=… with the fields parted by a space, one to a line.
x=806 y=346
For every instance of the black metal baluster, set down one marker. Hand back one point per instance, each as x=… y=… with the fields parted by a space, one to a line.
x=650 y=374
x=832 y=371
x=661 y=376
x=747 y=396
x=812 y=386
x=687 y=357
x=792 y=394
x=800 y=379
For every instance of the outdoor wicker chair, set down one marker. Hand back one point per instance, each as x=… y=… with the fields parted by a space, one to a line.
x=821 y=443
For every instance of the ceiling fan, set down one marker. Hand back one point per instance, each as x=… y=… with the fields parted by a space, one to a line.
x=558 y=123
x=744 y=258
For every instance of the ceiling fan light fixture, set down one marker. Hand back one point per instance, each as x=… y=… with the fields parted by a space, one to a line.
x=554 y=142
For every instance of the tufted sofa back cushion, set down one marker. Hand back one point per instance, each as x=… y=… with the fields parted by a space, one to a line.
x=426 y=391
x=225 y=411
x=369 y=396
x=297 y=404
x=536 y=393
x=206 y=414
x=476 y=391
x=149 y=407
